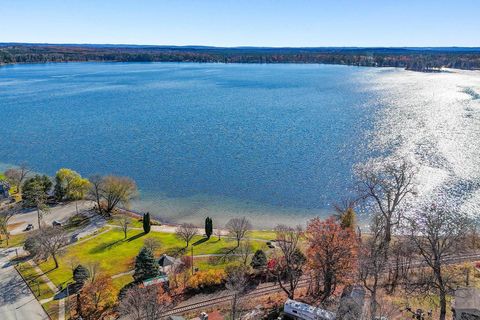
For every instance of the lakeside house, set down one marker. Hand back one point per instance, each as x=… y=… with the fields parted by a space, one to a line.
x=4 y=190
x=466 y=304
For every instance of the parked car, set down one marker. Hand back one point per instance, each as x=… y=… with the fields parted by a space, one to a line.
x=29 y=227
x=56 y=223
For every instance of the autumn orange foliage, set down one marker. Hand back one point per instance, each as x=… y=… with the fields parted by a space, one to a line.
x=331 y=255
x=96 y=298
x=205 y=279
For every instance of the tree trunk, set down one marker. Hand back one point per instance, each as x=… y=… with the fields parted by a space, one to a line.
x=55 y=260
x=373 y=305
x=234 y=306
x=327 y=289
x=388 y=234
x=443 y=305
x=38 y=217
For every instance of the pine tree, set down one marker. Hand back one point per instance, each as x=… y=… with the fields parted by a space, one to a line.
x=146 y=266
x=259 y=260
x=80 y=276
x=208 y=227
x=146 y=222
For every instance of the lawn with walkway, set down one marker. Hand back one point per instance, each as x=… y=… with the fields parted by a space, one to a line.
x=115 y=255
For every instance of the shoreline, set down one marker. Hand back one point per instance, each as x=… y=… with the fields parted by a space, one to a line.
x=434 y=70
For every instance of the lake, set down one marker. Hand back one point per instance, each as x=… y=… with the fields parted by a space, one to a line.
x=274 y=142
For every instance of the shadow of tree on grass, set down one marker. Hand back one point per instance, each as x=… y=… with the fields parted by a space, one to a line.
x=105 y=246
x=138 y=235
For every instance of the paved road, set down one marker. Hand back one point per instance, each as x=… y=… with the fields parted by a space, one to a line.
x=16 y=299
x=60 y=212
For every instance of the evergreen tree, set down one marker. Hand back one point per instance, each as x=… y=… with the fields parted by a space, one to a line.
x=58 y=190
x=259 y=260
x=33 y=186
x=208 y=227
x=146 y=266
x=146 y=222
x=80 y=276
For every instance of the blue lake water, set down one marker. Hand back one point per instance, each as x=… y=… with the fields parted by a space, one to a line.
x=262 y=140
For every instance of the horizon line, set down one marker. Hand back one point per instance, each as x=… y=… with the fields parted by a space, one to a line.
x=236 y=47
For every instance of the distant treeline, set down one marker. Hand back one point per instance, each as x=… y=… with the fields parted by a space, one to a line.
x=418 y=59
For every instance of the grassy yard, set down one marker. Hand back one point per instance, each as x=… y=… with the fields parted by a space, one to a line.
x=16 y=240
x=262 y=234
x=115 y=254
x=51 y=308
x=34 y=281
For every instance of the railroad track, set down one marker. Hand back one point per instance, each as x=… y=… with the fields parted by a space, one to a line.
x=228 y=298
x=275 y=288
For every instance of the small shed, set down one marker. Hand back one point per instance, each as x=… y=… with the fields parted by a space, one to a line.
x=466 y=304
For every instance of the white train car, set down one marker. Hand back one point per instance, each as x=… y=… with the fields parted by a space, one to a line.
x=303 y=311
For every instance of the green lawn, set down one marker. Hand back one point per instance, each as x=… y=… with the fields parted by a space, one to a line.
x=116 y=254
x=35 y=282
x=120 y=282
x=15 y=240
x=51 y=308
x=262 y=234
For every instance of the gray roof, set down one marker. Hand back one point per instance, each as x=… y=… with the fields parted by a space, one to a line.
x=165 y=261
x=467 y=299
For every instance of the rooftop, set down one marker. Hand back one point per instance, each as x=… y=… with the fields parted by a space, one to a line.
x=467 y=299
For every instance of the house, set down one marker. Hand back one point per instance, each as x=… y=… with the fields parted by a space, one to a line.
x=352 y=303
x=466 y=304
x=303 y=311
x=4 y=190
x=167 y=262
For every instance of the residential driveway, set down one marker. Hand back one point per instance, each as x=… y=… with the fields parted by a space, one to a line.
x=16 y=300
x=59 y=212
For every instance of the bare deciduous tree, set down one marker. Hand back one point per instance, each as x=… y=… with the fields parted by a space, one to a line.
x=124 y=222
x=112 y=190
x=238 y=227
x=437 y=231
x=236 y=282
x=186 y=232
x=387 y=183
x=50 y=241
x=372 y=261
x=16 y=176
x=152 y=244
x=218 y=232
x=244 y=251
x=147 y=303
x=399 y=264
x=290 y=265
x=96 y=191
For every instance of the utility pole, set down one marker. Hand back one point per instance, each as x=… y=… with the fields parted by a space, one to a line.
x=192 y=260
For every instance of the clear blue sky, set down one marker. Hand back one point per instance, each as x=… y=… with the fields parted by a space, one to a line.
x=244 y=22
